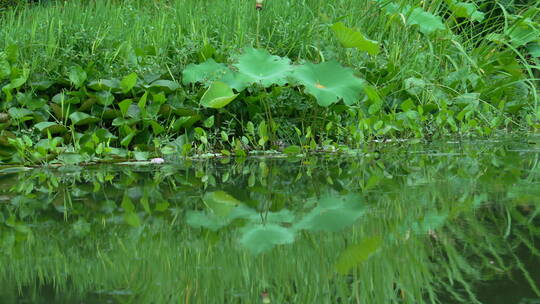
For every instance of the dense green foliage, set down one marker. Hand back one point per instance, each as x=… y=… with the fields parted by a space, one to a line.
x=404 y=226
x=136 y=79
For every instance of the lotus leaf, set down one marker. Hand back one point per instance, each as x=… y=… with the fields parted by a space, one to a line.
x=329 y=82
x=351 y=38
x=259 y=67
x=217 y=96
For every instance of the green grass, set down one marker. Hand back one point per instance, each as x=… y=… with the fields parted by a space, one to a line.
x=470 y=78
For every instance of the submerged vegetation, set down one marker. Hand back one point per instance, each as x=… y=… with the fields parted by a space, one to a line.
x=86 y=81
x=422 y=224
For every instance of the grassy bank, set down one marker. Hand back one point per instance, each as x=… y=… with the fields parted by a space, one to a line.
x=442 y=68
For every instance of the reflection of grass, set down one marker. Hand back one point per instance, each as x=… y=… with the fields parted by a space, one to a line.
x=162 y=263
x=442 y=221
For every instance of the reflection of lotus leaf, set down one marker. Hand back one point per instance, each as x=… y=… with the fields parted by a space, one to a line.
x=333 y=214
x=260 y=238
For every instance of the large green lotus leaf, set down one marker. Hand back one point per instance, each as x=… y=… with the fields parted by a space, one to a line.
x=329 y=82
x=351 y=38
x=207 y=71
x=356 y=254
x=217 y=96
x=333 y=213
x=465 y=10
x=427 y=22
x=260 y=238
x=236 y=80
x=262 y=68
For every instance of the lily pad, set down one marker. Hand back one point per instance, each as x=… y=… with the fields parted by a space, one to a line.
x=329 y=82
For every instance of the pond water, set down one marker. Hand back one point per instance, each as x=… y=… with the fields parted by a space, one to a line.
x=450 y=222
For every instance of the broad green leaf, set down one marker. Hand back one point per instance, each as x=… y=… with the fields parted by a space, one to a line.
x=77 y=76
x=105 y=98
x=427 y=22
x=19 y=113
x=207 y=71
x=165 y=85
x=128 y=82
x=351 y=38
x=523 y=31
x=220 y=202
x=104 y=84
x=259 y=67
x=80 y=118
x=414 y=86
x=209 y=122
x=127 y=140
x=217 y=96
x=465 y=10
x=71 y=158
x=329 y=82
x=124 y=106
x=260 y=238
x=52 y=127
x=356 y=254
x=156 y=127
x=292 y=150
x=185 y=122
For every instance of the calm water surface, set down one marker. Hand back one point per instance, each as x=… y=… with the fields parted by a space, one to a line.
x=452 y=222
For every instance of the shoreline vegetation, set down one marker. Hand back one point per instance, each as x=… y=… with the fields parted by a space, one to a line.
x=92 y=81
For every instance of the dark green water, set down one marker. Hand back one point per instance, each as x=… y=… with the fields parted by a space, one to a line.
x=439 y=223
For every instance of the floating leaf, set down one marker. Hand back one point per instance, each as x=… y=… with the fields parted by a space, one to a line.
x=260 y=238
x=259 y=67
x=356 y=254
x=351 y=38
x=329 y=82
x=217 y=96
